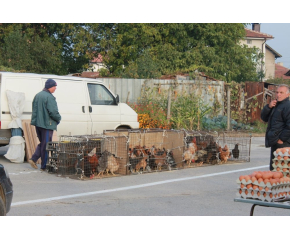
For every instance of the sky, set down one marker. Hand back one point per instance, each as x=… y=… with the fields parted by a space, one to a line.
x=281 y=41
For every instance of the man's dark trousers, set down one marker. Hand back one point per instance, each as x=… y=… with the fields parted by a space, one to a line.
x=44 y=136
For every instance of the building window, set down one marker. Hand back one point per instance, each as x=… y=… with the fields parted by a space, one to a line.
x=249 y=41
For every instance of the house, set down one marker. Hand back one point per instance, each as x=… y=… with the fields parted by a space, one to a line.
x=96 y=64
x=255 y=38
x=281 y=71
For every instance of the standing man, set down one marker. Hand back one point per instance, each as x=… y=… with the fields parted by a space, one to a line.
x=277 y=114
x=45 y=117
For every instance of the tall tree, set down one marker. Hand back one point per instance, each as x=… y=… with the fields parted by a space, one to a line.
x=212 y=48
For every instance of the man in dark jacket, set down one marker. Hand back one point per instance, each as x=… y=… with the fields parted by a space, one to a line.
x=45 y=117
x=277 y=114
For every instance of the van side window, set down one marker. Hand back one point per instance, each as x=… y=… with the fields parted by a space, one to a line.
x=99 y=95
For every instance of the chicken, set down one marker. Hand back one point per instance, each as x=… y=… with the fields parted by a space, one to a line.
x=93 y=162
x=170 y=160
x=193 y=144
x=160 y=158
x=212 y=152
x=224 y=153
x=113 y=164
x=201 y=155
x=141 y=164
x=188 y=157
x=103 y=164
x=138 y=158
x=236 y=151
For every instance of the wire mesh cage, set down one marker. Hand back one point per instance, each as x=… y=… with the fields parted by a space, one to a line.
x=237 y=143
x=216 y=148
x=87 y=156
x=152 y=149
x=201 y=148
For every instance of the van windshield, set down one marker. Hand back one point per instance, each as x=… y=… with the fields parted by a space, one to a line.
x=99 y=95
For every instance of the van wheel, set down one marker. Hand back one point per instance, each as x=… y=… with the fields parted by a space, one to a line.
x=122 y=128
x=2 y=207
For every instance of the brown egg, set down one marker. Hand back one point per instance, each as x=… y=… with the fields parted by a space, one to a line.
x=266 y=189
x=246 y=192
x=242 y=185
x=264 y=194
x=284 y=169
x=241 y=178
x=255 y=186
x=253 y=179
x=271 y=195
x=272 y=181
x=278 y=157
x=258 y=193
x=266 y=175
x=278 y=169
x=240 y=191
x=283 y=150
x=247 y=178
x=285 y=157
x=278 y=150
x=282 y=163
x=288 y=164
x=261 y=188
x=266 y=180
x=276 y=175
x=249 y=186
x=258 y=175
x=260 y=180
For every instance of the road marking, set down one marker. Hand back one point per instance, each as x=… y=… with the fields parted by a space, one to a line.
x=132 y=187
x=22 y=173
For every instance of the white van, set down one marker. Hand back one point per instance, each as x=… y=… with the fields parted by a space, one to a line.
x=86 y=105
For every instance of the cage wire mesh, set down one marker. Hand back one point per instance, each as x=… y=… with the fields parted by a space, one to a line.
x=87 y=156
x=238 y=144
x=134 y=151
x=201 y=148
x=152 y=149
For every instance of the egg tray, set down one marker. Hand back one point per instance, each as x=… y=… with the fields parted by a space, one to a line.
x=282 y=164
x=261 y=192
x=268 y=196
x=286 y=154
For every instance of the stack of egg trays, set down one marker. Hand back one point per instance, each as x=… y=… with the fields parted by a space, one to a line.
x=281 y=163
x=263 y=192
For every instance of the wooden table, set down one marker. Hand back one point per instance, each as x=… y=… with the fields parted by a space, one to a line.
x=285 y=204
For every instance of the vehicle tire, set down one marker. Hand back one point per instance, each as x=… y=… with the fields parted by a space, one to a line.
x=2 y=207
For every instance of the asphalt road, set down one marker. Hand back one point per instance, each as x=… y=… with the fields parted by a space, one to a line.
x=201 y=191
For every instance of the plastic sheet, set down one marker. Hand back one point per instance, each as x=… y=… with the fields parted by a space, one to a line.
x=16 y=151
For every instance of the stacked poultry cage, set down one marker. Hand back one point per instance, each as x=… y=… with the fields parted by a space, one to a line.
x=87 y=156
x=152 y=149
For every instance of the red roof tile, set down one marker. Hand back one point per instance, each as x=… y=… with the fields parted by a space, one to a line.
x=98 y=59
x=255 y=34
x=280 y=72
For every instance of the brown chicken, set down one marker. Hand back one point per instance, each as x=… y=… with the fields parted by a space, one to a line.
x=224 y=153
x=94 y=161
x=141 y=164
x=157 y=158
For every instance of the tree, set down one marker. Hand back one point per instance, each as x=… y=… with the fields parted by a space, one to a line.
x=211 y=48
x=48 y=48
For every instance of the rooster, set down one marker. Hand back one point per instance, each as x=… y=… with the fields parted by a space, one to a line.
x=224 y=153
